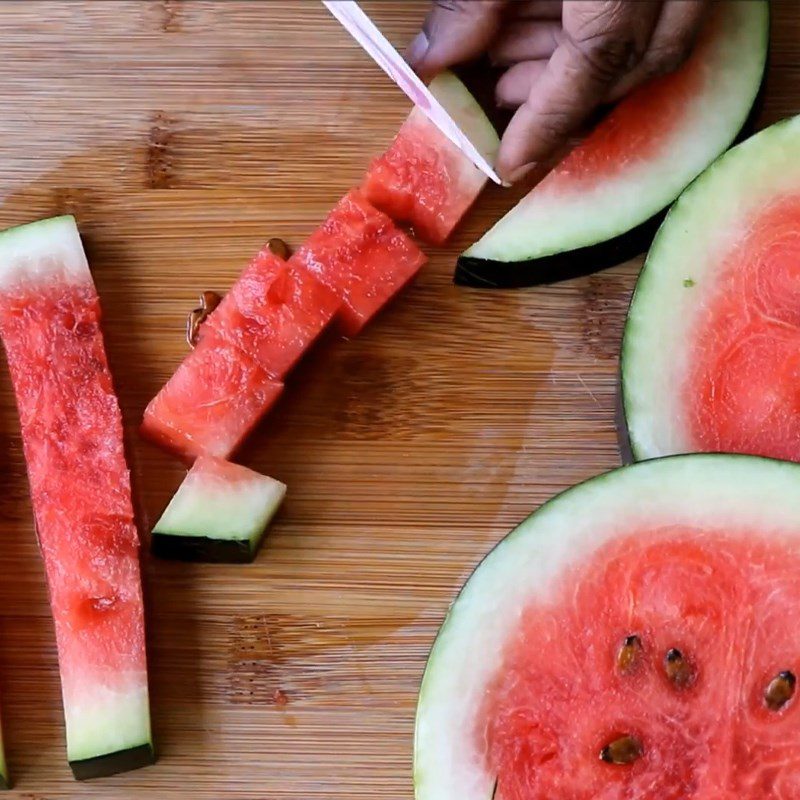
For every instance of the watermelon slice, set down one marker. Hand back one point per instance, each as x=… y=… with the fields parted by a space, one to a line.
x=423 y=178
x=602 y=204
x=214 y=399
x=273 y=313
x=711 y=352
x=362 y=257
x=80 y=488
x=634 y=638
x=219 y=513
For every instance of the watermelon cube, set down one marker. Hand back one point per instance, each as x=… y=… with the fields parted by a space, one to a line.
x=213 y=400
x=80 y=488
x=273 y=313
x=362 y=257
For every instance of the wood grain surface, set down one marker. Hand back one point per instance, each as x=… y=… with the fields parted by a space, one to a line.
x=182 y=135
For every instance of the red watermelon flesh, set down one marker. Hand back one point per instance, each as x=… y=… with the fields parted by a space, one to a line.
x=216 y=396
x=362 y=257
x=80 y=488
x=423 y=178
x=560 y=696
x=273 y=312
x=743 y=387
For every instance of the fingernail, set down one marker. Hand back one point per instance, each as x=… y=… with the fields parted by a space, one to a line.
x=417 y=49
x=521 y=172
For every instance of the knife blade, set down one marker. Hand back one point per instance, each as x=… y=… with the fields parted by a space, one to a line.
x=356 y=22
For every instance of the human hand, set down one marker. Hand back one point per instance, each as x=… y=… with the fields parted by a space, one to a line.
x=563 y=59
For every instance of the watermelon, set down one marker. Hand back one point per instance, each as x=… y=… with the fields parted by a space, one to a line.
x=636 y=637
x=602 y=203
x=711 y=351
x=214 y=399
x=273 y=313
x=362 y=257
x=219 y=513
x=80 y=491
x=423 y=178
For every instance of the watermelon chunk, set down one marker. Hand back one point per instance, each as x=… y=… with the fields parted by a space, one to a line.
x=362 y=257
x=219 y=513
x=273 y=312
x=214 y=399
x=80 y=488
x=423 y=178
x=711 y=352
x=636 y=637
x=603 y=203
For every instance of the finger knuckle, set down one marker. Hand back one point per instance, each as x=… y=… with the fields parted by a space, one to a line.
x=607 y=56
x=667 y=58
x=467 y=7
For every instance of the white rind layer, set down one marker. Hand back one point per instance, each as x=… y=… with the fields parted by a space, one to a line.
x=235 y=506
x=41 y=251
x=738 y=495
x=700 y=229
x=101 y=721
x=547 y=222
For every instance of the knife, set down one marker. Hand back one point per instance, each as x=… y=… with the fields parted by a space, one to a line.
x=364 y=31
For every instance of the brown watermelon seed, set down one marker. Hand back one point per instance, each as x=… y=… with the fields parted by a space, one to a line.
x=624 y=750
x=629 y=655
x=279 y=248
x=208 y=302
x=780 y=690
x=678 y=669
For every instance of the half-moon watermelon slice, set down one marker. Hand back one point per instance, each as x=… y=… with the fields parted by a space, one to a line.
x=602 y=203
x=636 y=637
x=81 y=494
x=423 y=178
x=711 y=351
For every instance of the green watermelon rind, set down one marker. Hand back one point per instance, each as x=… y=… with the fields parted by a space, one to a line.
x=678 y=272
x=515 y=252
x=214 y=520
x=736 y=493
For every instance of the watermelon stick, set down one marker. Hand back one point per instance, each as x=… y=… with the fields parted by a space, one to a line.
x=80 y=491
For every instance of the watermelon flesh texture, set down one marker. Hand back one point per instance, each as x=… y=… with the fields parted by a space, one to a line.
x=215 y=398
x=633 y=164
x=273 y=313
x=219 y=513
x=423 y=178
x=80 y=490
x=524 y=689
x=362 y=257
x=710 y=352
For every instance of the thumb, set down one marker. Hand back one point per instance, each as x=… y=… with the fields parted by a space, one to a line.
x=454 y=31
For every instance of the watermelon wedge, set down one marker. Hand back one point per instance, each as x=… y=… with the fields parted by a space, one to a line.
x=636 y=637
x=362 y=257
x=219 y=513
x=423 y=178
x=711 y=351
x=602 y=203
x=273 y=313
x=214 y=399
x=80 y=489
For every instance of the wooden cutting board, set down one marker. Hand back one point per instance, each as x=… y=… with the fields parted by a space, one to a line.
x=182 y=135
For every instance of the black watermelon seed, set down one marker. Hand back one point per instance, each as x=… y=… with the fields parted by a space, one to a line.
x=629 y=655
x=624 y=750
x=678 y=669
x=780 y=690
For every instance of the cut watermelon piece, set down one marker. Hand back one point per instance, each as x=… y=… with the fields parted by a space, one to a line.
x=273 y=313
x=711 y=352
x=634 y=638
x=601 y=205
x=362 y=257
x=214 y=399
x=423 y=178
x=80 y=488
x=219 y=513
